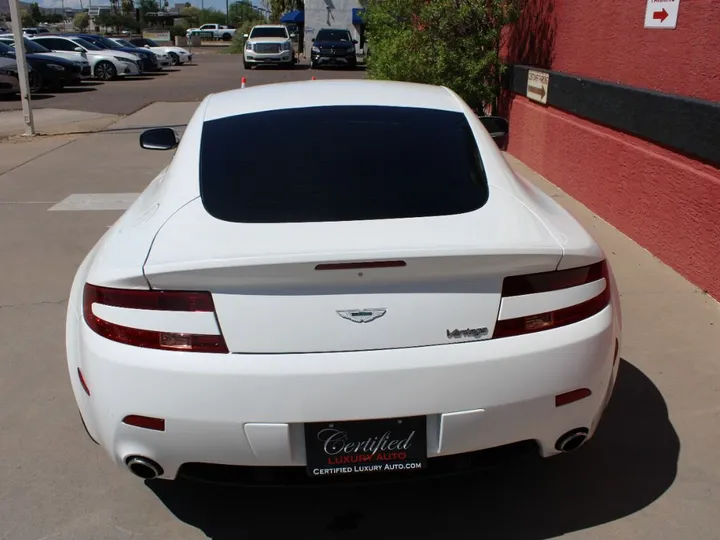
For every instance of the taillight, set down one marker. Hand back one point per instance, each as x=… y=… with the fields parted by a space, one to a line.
x=157 y=301
x=529 y=286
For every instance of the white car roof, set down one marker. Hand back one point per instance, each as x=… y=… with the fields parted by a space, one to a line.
x=339 y=92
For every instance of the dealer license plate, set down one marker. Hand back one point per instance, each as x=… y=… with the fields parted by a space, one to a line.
x=366 y=446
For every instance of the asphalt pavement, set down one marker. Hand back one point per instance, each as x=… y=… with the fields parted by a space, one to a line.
x=651 y=473
x=210 y=69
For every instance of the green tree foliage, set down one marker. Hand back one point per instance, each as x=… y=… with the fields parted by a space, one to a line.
x=117 y=22
x=26 y=19
x=242 y=12
x=147 y=6
x=35 y=13
x=191 y=16
x=127 y=7
x=81 y=21
x=455 y=43
x=279 y=7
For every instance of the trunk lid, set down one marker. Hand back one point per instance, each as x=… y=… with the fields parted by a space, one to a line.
x=271 y=298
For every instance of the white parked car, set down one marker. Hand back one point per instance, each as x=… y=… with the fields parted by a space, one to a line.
x=33 y=47
x=164 y=60
x=106 y=64
x=178 y=55
x=268 y=44
x=423 y=303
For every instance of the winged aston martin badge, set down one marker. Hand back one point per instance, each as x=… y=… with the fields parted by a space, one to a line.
x=362 y=315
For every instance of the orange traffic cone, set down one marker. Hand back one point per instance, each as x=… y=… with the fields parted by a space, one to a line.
x=243 y=82
x=313 y=78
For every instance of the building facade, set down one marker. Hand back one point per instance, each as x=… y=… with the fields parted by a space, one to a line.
x=629 y=123
x=332 y=14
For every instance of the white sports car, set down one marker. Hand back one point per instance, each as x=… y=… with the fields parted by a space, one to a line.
x=251 y=313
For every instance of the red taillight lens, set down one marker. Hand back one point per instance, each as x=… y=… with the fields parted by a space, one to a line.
x=152 y=301
x=553 y=281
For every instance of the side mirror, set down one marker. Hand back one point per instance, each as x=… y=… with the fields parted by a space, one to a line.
x=79 y=49
x=147 y=46
x=355 y=41
x=313 y=40
x=499 y=129
x=158 y=139
x=245 y=36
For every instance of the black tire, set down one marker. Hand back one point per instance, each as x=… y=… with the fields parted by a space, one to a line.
x=226 y=37
x=36 y=82
x=174 y=58
x=313 y=65
x=247 y=66
x=105 y=71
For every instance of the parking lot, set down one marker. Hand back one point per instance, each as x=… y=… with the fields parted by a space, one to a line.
x=652 y=472
x=210 y=71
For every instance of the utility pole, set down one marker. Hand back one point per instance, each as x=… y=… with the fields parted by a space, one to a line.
x=227 y=12
x=22 y=68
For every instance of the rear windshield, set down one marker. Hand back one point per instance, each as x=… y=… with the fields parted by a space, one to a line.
x=340 y=164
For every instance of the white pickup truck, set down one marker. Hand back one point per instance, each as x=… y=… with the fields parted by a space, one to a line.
x=212 y=31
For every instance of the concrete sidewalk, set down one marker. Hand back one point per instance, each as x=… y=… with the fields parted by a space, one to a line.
x=632 y=481
x=54 y=122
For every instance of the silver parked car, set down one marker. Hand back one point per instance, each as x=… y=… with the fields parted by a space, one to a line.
x=9 y=80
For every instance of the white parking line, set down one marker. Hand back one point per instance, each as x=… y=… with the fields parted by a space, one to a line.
x=95 y=201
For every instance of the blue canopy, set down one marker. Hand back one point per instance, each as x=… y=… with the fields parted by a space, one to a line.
x=357 y=15
x=297 y=17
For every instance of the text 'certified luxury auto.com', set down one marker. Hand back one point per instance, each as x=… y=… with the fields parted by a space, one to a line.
x=248 y=313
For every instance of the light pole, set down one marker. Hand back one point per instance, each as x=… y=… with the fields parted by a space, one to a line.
x=22 y=68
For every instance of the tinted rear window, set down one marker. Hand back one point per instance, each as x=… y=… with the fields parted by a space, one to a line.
x=340 y=164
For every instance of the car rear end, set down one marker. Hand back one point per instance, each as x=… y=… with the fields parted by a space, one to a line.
x=339 y=320
x=9 y=78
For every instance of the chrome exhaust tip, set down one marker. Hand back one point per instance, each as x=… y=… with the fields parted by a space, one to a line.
x=143 y=467
x=572 y=440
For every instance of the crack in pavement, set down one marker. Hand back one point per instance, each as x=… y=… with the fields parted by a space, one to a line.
x=31 y=304
x=37 y=157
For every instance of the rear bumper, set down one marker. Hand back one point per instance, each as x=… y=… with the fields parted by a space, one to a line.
x=320 y=60
x=475 y=396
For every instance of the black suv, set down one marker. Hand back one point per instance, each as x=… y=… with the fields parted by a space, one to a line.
x=333 y=46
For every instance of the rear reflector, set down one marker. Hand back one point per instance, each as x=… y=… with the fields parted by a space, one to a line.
x=82 y=382
x=572 y=397
x=152 y=301
x=361 y=265
x=145 y=422
x=553 y=281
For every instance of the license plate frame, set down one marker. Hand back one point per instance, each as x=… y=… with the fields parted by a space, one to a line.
x=366 y=446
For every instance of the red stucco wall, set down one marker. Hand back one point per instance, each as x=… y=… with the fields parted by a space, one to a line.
x=667 y=202
x=606 y=40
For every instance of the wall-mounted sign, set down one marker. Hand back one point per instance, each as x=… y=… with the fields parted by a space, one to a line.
x=156 y=36
x=662 y=14
x=537 y=86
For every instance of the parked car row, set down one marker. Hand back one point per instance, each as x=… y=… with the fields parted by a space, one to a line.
x=59 y=60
